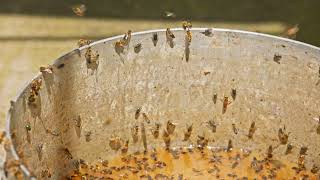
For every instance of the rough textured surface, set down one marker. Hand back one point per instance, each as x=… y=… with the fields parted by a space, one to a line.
x=166 y=87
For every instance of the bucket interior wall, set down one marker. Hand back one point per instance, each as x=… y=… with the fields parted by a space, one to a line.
x=103 y=99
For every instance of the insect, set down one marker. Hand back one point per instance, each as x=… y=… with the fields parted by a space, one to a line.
x=289 y=149
x=212 y=126
x=2 y=136
x=126 y=38
x=119 y=46
x=91 y=56
x=214 y=98
x=207 y=32
x=137 y=48
x=315 y=169
x=28 y=127
x=34 y=91
x=137 y=113
x=291 y=32
x=301 y=162
x=277 y=58
x=125 y=147
x=186 y=25
x=202 y=141
x=155 y=130
x=230 y=146
x=169 y=14
x=255 y=165
x=79 y=9
x=155 y=39
x=145 y=117
x=269 y=152
x=188 y=133
x=134 y=133
x=67 y=153
x=188 y=36
x=46 y=69
x=283 y=137
x=39 y=150
x=303 y=150
x=170 y=127
x=234 y=128
x=115 y=143
x=252 y=129
x=144 y=137
x=166 y=139
x=169 y=34
x=83 y=42
x=233 y=94
x=88 y=136
x=226 y=102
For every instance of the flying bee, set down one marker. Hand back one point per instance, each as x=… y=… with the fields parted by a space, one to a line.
x=79 y=9
x=169 y=14
x=188 y=36
x=67 y=153
x=234 y=128
x=125 y=147
x=186 y=25
x=207 y=32
x=91 y=56
x=283 y=137
x=277 y=58
x=230 y=146
x=155 y=130
x=134 y=133
x=166 y=139
x=155 y=39
x=46 y=69
x=291 y=32
x=214 y=98
x=126 y=38
x=170 y=127
x=233 y=94
x=146 y=118
x=169 y=34
x=115 y=143
x=137 y=48
x=188 y=133
x=83 y=42
x=226 y=102
x=252 y=129
x=119 y=46
x=289 y=149
x=137 y=114
x=212 y=125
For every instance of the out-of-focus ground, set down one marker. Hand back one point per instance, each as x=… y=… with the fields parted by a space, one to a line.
x=26 y=42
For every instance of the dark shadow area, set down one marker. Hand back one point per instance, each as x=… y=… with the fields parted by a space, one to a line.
x=303 y=12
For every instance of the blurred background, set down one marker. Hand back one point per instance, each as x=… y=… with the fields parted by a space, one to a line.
x=36 y=32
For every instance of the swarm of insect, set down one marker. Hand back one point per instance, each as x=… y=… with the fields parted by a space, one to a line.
x=79 y=9
x=283 y=136
x=166 y=138
x=155 y=130
x=83 y=42
x=115 y=143
x=91 y=56
x=187 y=134
x=170 y=127
x=134 y=133
x=46 y=69
x=252 y=130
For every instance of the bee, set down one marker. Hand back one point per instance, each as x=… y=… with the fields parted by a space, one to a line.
x=269 y=152
x=91 y=56
x=36 y=86
x=170 y=127
x=28 y=127
x=315 y=169
x=169 y=14
x=202 y=141
x=230 y=146
x=137 y=114
x=207 y=32
x=233 y=94
x=289 y=149
x=155 y=130
x=214 y=98
x=88 y=136
x=2 y=136
x=125 y=148
x=212 y=126
x=291 y=32
x=188 y=36
x=186 y=25
x=144 y=137
x=126 y=38
x=137 y=48
x=134 y=133
x=188 y=133
x=252 y=130
x=79 y=9
x=169 y=34
x=303 y=150
x=166 y=138
x=115 y=143
x=83 y=42
x=46 y=69
x=67 y=153
x=155 y=39
x=277 y=58
x=39 y=151
x=145 y=117
x=234 y=128
x=301 y=162
x=283 y=137
x=226 y=102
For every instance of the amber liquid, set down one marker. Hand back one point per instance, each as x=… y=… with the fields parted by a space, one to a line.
x=187 y=163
